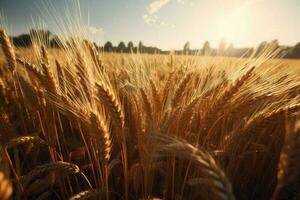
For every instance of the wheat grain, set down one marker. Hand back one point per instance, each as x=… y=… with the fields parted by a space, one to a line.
x=63 y=167
x=84 y=195
x=24 y=140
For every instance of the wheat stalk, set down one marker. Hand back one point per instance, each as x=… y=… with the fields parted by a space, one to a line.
x=289 y=166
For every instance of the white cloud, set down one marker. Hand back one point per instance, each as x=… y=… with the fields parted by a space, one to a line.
x=156 y=5
x=151 y=18
x=94 y=30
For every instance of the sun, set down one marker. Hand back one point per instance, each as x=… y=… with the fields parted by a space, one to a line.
x=235 y=26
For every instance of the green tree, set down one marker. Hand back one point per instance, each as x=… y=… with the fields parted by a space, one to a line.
x=295 y=51
x=206 y=50
x=130 y=46
x=230 y=50
x=141 y=47
x=121 y=47
x=108 y=47
x=186 y=48
x=261 y=48
x=40 y=34
x=23 y=40
x=222 y=48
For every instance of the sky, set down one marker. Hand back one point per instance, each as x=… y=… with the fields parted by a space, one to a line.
x=166 y=24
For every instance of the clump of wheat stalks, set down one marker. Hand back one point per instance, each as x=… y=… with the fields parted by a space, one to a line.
x=19 y=141
x=78 y=100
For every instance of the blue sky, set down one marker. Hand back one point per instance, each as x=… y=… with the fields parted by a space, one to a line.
x=167 y=24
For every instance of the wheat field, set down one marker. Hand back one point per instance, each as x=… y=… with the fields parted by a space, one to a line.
x=76 y=123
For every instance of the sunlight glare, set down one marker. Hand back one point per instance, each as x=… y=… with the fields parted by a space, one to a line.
x=235 y=27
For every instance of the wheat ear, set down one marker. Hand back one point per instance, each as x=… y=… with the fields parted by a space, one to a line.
x=146 y=105
x=155 y=96
x=8 y=50
x=61 y=77
x=18 y=141
x=25 y=140
x=59 y=166
x=94 y=54
x=112 y=103
x=49 y=80
x=34 y=71
x=103 y=136
x=180 y=90
x=233 y=89
x=165 y=91
x=45 y=56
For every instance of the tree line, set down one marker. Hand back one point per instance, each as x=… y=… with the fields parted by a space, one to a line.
x=25 y=40
x=224 y=49
x=229 y=50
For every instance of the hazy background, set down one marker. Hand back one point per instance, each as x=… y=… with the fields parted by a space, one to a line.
x=169 y=24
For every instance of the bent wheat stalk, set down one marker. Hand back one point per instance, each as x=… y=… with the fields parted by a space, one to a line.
x=18 y=141
x=59 y=166
x=213 y=174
